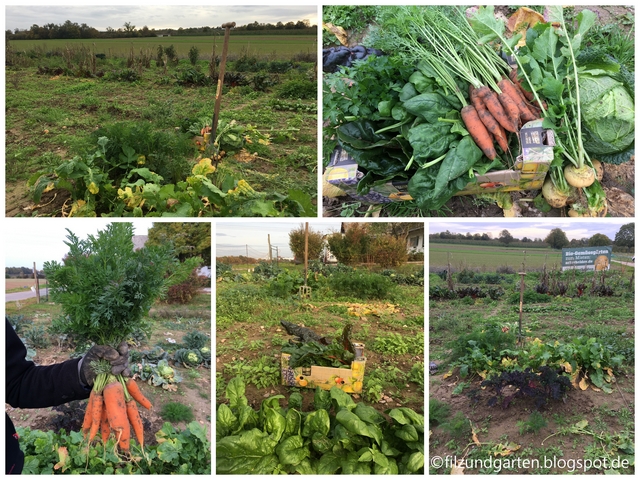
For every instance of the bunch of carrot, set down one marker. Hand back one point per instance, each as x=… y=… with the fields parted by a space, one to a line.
x=490 y=115
x=112 y=407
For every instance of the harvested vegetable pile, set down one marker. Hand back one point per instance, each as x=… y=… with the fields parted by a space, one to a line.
x=447 y=101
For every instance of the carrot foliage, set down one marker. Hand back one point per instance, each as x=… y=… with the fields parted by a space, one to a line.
x=104 y=286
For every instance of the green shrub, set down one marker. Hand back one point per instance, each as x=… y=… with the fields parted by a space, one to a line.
x=193 y=55
x=361 y=285
x=176 y=412
x=298 y=88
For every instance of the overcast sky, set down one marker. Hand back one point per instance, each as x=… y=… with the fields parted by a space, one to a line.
x=534 y=228
x=31 y=240
x=233 y=238
x=159 y=16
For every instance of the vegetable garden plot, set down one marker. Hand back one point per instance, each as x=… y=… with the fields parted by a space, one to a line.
x=123 y=137
x=565 y=389
x=254 y=312
x=434 y=119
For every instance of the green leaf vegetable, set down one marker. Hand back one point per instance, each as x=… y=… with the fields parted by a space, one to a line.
x=340 y=436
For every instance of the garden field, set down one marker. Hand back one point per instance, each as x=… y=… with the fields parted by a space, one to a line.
x=21 y=284
x=385 y=312
x=277 y=47
x=184 y=404
x=122 y=136
x=559 y=399
x=489 y=258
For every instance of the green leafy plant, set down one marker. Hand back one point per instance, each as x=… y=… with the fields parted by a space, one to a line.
x=176 y=452
x=340 y=436
x=158 y=375
x=397 y=344
x=438 y=412
x=533 y=424
x=362 y=285
x=188 y=357
x=195 y=340
x=176 y=412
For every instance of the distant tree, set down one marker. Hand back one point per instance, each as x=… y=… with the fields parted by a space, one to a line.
x=625 y=236
x=599 y=240
x=188 y=238
x=505 y=237
x=557 y=239
x=485 y=237
x=129 y=28
x=389 y=251
x=352 y=246
x=296 y=243
x=525 y=240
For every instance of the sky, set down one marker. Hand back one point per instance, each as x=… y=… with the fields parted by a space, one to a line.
x=28 y=240
x=533 y=228
x=234 y=238
x=158 y=16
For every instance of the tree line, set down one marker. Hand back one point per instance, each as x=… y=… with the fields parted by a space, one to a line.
x=72 y=30
x=556 y=239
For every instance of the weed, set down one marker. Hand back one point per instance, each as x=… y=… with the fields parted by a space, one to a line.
x=438 y=412
x=533 y=424
x=176 y=412
x=458 y=427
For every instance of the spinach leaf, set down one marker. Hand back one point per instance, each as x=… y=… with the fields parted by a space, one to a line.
x=361 y=135
x=430 y=140
x=429 y=106
x=457 y=162
x=381 y=161
x=252 y=451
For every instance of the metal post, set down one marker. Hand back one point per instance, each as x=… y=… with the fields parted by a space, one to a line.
x=223 y=63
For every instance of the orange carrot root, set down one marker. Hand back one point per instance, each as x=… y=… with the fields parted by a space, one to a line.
x=511 y=91
x=135 y=392
x=478 y=131
x=136 y=422
x=493 y=127
x=116 y=413
x=86 y=423
x=493 y=104
x=105 y=431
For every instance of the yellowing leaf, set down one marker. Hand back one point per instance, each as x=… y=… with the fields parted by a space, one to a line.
x=595 y=389
x=504 y=450
x=521 y=20
x=583 y=384
x=582 y=424
x=339 y=32
x=141 y=159
x=203 y=167
x=63 y=455
x=483 y=374
x=93 y=188
x=567 y=367
x=447 y=375
x=457 y=469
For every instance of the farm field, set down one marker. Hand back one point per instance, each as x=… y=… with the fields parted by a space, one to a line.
x=578 y=332
x=168 y=326
x=277 y=47
x=250 y=338
x=489 y=258
x=59 y=106
x=21 y=284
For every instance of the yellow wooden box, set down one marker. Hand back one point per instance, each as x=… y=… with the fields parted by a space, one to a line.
x=347 y=379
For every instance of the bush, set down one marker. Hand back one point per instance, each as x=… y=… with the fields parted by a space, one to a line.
x=176 y=412
x=193 y=55
x=361 y=285
x=285 y=284
x=302 y=89
x=389 y=251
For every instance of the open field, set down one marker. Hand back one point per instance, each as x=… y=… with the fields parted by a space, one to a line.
x=275 y=47
x=479 y=407
x=21 y=284
x=489 y=258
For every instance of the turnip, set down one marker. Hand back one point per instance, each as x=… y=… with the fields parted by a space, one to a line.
x=553 y=195
x=579 y=177
x=599 y=168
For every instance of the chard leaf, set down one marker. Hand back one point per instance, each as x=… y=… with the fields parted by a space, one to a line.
x=251 y=452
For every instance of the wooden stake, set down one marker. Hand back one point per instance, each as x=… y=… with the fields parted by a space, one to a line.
x=223 y=63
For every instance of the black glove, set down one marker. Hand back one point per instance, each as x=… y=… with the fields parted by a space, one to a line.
x=119 y=360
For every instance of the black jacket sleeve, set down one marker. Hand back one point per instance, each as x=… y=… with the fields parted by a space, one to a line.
x=30 y=386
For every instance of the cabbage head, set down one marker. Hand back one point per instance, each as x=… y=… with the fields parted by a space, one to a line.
x=608 y=115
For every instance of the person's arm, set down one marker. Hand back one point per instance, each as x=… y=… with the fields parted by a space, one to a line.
x=31 y=386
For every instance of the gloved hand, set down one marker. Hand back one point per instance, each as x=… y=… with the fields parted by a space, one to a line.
x=119 y=360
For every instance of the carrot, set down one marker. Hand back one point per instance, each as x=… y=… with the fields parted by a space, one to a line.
x=105 y=431
x=86 y=423
x=490 y=99
x=513 y=76
x=136 y=422
x=510 y=90
x=135 y=392
x=510 y=108
x=96 y=415
x=116 y=413
x=478 y=131
x=487 y=119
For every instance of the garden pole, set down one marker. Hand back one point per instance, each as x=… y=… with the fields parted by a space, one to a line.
x=306 y=252
x=223 y=63
x=35 y=276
